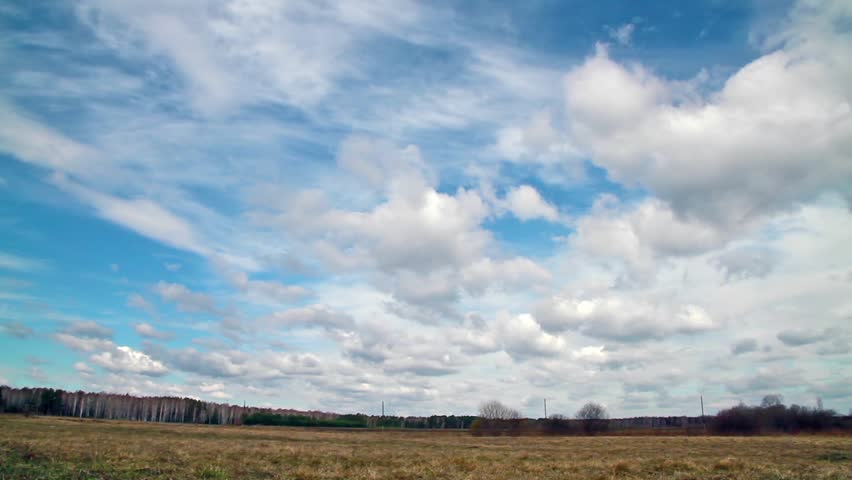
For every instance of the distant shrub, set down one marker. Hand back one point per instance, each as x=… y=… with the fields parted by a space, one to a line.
x=737 y=420
x=772 y=416
x=496 y=427
x=560 y=425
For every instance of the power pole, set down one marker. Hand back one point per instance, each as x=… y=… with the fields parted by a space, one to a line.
x=383 y=409
x=704 y=425
x=545 y=409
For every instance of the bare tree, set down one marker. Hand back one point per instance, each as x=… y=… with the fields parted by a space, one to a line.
x=496 y=419
x=594 y=417
x=592 y=411
x=772 y=400
x=494 y=410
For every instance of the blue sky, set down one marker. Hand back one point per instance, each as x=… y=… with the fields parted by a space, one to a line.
x=325 y=205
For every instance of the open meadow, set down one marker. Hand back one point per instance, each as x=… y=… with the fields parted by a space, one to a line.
x=54 y=448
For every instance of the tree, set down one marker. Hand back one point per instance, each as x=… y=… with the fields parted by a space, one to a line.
x=51 y=402
x=494 y=410
x=496 y=419
x=594 y=417
x=592 y=411
x=772 y=400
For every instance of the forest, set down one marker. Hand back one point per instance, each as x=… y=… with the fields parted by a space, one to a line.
x=48 y=401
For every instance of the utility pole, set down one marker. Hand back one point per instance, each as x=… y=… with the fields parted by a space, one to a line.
x=383 y=409
x=704 y=425
x=545 y=409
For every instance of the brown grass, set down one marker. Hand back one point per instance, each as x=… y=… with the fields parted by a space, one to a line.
x=54 y=448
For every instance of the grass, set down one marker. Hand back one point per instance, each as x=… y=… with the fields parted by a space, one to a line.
x=63 y=448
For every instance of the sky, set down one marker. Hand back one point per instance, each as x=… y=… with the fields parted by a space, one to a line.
x=327 y=205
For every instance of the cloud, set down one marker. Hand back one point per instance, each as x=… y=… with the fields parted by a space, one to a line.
x=518 y=272
x=639 y=236
x=83 y=344
x=272 y=290
x=185 y=299
x=800 y=336
x=623 y=34
x=622 y=318
x=475 y=341
x=172 y=267
x=311 y=316
x=790 y=110
x=138 y=301
x=288 y=53
x=743 y=262
x=538 y=142
x=88 y=329
x=259 y=366
x=591 y=353
x=837 y=346
x=764 y=381
x=832 y=389
x=16 y=329
x=20 y=264
x=140 y=215
x=422 y=242
x=398 y=351
x=415 y=228
x=136 y=384
x=38 y=374
x=83 y=368
x=214 y=390
x=381 y=164
x=212 y=364
x=211 y=387
x=260 y=291
x=126 y=359
x=523 y=337
x=745 y=345
x=148 y=331
x=29 y=141
x=526 y=203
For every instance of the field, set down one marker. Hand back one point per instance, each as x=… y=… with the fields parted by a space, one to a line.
x=54 y=448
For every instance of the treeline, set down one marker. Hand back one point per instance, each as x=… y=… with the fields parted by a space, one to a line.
x=48 y=401
x=437 y=422
x=494 y=418
x=772 y=416
x=560 y=425
x=498 y=419
x=362 y=421
x=343 y=421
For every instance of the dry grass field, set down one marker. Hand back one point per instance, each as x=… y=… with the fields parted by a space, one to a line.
x=54 y=448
